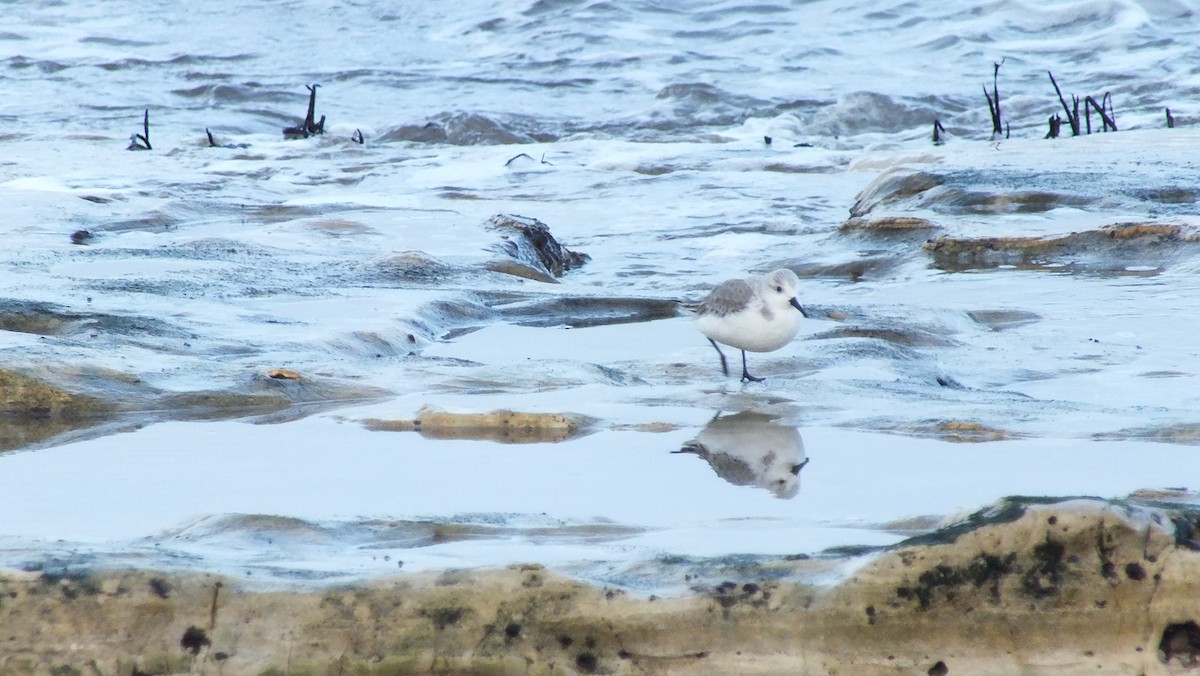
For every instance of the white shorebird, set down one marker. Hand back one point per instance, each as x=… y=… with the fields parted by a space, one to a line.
x=756 y=314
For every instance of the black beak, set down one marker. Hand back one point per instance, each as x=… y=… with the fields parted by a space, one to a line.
x=796 y=468
x=796 y=304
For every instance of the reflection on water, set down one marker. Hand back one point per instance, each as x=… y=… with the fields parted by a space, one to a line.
x=751 y=449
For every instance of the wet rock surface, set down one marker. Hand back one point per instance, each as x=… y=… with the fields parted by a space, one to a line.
x=46 y=406
x=528 y=241
x=1028 y=586
x=514 y=427
x=1118 y=246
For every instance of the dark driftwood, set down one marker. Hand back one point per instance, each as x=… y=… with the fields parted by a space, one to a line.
x=1103 y=109
x=1072 y=117
x=212 y=143
x=309 y=127
x=527 y=156
x=993 y=99
x=1170 y=120
x=141 y=141
x=938 y=130
x=1055 y=126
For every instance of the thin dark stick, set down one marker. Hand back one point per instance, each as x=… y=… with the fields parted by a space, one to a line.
x=1170 y=120
x=144 y=137
x=1099 y=108
x=1073 y=120
x=992 y=111
x=212 y=142
x=993 y=99
x=938 y=130
x=312 y=109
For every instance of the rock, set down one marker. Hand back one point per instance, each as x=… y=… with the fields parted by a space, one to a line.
x=24 y=397
x=963 y=431
x=892 y=186
x=1116 y=245
x=889 y=225
x=1027 y=586
x=33 y=410
x=528 y=241
x=52 y=401
x=511 y=427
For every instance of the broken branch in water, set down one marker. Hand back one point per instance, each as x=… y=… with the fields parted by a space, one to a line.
x=527 y=156
x=993 y=99
x=141 y=141
x=938 y=130
x=212 y=143
x=1072 y=118
x=1055 y=126
x=1170 y=120
x=309 y=127
x=1089 y=104
x=357 y=136
x=1111 y=119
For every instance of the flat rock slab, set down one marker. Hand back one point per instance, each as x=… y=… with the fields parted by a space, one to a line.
x=1032 y=587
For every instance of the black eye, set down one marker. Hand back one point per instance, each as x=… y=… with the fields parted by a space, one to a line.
x=779 y=289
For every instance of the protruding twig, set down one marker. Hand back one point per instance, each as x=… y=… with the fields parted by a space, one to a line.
x=993 y=99
x=141 y=141
x=938 y=130
x=1055 y=126
x=514 y=158
x=527 y=156
x=1170 y=120
x=1090 y=104
x=357 y=137
x=309 y=127
x=312 y=109
x=1072 y=118
x=212 y=142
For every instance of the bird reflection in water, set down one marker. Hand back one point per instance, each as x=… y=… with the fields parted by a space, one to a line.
x=751 y=449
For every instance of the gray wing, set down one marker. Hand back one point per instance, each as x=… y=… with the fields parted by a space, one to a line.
x=729 y=297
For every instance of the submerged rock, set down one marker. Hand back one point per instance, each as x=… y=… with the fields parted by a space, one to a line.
x=528 y=241
x=510 y=427
x=1037 y=586
x=32 y=410
x=1117 y=245
x=889 y=226
x=22 y=396
x=92 y=401
x=891 y=187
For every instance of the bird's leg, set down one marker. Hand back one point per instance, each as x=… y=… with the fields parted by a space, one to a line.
x=746 y=374
x=724 y=368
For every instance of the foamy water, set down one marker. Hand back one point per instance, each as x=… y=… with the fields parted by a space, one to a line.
x=643 y=131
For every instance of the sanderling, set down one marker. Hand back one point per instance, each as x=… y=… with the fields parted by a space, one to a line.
x=756 y=314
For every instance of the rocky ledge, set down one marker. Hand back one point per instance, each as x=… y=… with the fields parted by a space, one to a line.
x=1031 y=586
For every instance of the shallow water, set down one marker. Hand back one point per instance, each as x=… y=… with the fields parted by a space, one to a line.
x=636 y=132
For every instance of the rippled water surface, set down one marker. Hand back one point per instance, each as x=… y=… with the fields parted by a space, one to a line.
x=995 y=315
